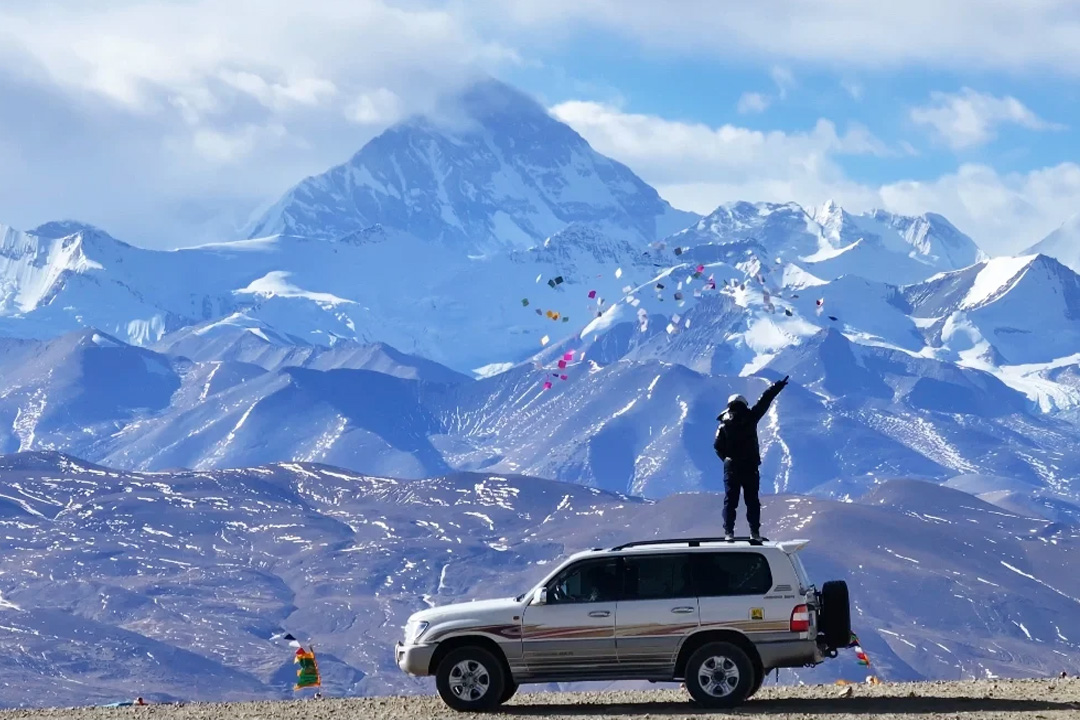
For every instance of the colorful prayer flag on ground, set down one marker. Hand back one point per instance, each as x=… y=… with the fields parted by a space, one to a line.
x=308 y=674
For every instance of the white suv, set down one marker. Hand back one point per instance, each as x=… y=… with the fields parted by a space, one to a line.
x=717 y=615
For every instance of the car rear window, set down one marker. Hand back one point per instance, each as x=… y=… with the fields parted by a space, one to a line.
x=657 y=577
x=732 y=573
x=800 y=572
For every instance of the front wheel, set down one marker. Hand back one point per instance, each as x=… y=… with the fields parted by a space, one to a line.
x=720 y=675
x=471 y=679
x=509 y=691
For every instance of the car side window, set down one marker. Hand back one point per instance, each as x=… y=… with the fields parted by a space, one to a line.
x=732 y=573
x=657 y=577
x=585 y=582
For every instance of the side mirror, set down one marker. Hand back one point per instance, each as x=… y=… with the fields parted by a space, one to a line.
x=541 y=597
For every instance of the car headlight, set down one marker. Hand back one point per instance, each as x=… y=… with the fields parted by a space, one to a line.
x=413 y=630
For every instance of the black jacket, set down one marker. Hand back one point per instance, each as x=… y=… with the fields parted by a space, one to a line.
x=736 y=438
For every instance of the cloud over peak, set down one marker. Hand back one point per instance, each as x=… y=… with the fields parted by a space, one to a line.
x=968 y=118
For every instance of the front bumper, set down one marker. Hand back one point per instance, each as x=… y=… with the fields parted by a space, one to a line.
x=414 y=659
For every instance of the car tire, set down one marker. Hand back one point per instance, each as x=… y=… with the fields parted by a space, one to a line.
x=509 y=691
x=471 y=679
x=759 y=680
x=720 y=675
x=835 y=617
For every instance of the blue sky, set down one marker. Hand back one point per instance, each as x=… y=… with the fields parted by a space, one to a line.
x=168 y=122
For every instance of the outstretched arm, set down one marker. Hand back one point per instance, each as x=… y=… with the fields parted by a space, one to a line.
x=762 y=405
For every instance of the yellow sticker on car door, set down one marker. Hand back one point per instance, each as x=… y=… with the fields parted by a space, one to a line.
x=757 y=613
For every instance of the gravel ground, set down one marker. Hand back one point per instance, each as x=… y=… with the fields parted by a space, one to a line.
x=989 y=700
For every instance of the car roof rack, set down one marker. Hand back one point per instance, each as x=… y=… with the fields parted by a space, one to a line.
x=690 y=542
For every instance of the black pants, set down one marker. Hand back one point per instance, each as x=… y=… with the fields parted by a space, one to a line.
x=748 y=481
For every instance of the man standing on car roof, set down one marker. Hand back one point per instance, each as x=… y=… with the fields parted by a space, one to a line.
x=737 y=445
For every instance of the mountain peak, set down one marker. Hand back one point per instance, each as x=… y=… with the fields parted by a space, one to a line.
x=494 y=170
x=1063 y=244
x=64 y=228
x=492 y=99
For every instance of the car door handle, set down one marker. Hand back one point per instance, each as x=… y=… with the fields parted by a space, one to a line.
x=600 y=613
x=682 y=610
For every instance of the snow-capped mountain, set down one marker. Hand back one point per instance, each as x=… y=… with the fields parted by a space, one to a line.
x=171 y=585
x=1063 y=244
x=496 y=172
x=319 y=293
x=1021 y=310
x=635 y=424
x=831 y=242
x=241 y=338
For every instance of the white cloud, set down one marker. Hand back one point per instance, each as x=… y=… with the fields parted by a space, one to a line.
x=784 y=79
x=280 y=95
x=202 y=107
x=969 y=118
x=221 y=147
x=669 y=151
x=753 y=102
x=852 y=88
x=699 y=167
x=380 y=107
x=1004 y=213
x=1017 y=35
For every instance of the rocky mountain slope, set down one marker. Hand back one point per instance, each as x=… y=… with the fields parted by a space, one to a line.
x=170 y=585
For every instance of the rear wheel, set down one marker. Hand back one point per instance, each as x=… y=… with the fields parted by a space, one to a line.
x=835 y=617
x=720 y=675
x=509 y=691
x=759 y=678
x=471 y=679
